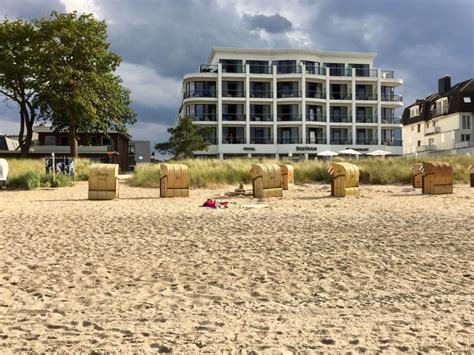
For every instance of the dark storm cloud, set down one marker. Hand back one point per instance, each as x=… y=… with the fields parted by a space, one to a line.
x=422 y=40
x=29 y=9
x=272 y=24
x=176 y=36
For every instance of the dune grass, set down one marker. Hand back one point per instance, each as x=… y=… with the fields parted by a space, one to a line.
x=30 y=174
x=213 y=172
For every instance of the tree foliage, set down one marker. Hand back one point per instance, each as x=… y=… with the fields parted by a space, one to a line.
x=185 y=139
x=61 y=70
x=19 y=61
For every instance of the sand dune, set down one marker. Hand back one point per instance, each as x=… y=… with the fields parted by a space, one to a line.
x=390 y=271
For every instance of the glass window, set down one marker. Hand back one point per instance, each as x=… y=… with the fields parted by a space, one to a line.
x=49 y=140
x=467 y=100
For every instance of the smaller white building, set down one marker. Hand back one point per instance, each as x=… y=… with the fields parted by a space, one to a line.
x=441 y=123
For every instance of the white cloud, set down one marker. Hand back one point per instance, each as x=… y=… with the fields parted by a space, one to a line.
x=149 y=88
x=82 y=6
x=151 y=131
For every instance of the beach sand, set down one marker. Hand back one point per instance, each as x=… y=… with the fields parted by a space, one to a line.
x=390 y=271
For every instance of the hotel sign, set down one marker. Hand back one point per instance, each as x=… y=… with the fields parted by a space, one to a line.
x=251 y=149
x=359 y=149
x=304 y=148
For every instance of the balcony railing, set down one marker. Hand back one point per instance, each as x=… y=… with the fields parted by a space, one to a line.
x=206 y=68
x=316 y=70
x=288 y=117
x=395 y=98
x=288 y=69
x=233 y=117
x=233 y=140
x=341 y=141
x=233 y=68
x=370 y=73
x=261 y=69
x=365 y=96
x=211 y=140
x=200 y=93
x=203 y=117
x=289 y=140
x=341 y=96
x=316 y=140
x=261 y=117
x=432 y=130
x=315 y=118
x=340 y=72
x=288 y=93
x=387 y=74
x=341 y=118
x=390 y=119
x=392 y=142
x=367 y=141
x=261 y=94
x=315 y=94
x=366 y=119
x=233 y=93
x=261 y=140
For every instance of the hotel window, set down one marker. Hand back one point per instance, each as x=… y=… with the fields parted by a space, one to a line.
x=414 y=111
x=442 y=106
x=465 y=137
x=419 y=143
x=419 y=128
x=467 y=100
x=466 y=122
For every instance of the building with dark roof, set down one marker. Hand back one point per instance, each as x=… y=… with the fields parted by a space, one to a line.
x=441 y=123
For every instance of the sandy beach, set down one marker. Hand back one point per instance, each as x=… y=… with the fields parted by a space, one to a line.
x=391 y=271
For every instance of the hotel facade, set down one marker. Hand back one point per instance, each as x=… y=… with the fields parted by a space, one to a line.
x=275 y=103
x=442 y=123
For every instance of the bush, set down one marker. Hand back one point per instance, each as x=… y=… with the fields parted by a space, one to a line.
x=213 y=172
x=30 y=174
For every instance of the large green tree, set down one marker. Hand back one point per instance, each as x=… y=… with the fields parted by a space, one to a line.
x=185 y=139
x=81 y=92
x=19 y=63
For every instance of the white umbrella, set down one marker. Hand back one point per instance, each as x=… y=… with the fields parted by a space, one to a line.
x=350 y=152
x=327 y=153
x=379 y=152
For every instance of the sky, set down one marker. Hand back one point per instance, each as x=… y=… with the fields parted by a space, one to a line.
x=161 y=40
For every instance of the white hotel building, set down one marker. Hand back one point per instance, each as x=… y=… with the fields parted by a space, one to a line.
x=292 y=101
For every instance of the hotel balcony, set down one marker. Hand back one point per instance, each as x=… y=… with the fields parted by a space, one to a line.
x=341 y=118
x=288 y=93
x=210 y=117
x=233 y=117
x=260 y=69
x=393 y=98
x=261 y=117
x=341 y=96
x=233 y=93
x=233 y=68
x=211 y=140
x=387 y=74
x=390 y=119
x=315 y=94
x=289 y=140
x=315 y=70
x=288 y=69
x=261 y=94
x=261 y=140
x=316 y=140
x=340 y=71
x=341 y=141
x=366 y=96
x=315 y=118
x=287 y=117
x=366 y=119
x=367 y=73
x=200 y=93
x=367 y=141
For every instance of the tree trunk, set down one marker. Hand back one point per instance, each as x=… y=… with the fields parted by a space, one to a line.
x=27 y=121
x=73 y=143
